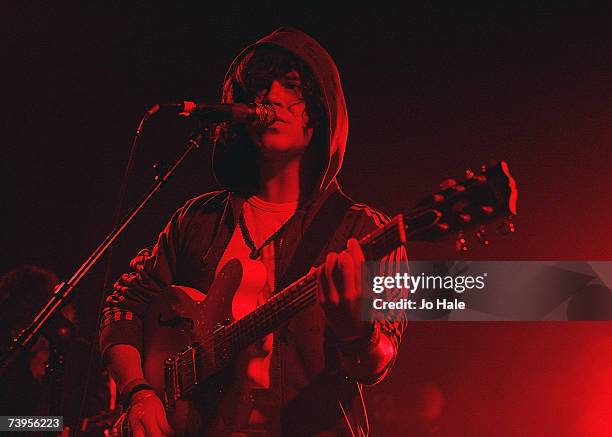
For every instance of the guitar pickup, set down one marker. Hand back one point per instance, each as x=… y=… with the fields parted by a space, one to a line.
x=189 y=372
x=171 y=378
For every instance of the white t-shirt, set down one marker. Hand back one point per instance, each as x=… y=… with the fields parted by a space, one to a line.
x=262 y=220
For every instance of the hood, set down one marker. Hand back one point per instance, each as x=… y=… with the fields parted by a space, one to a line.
x=326 y=73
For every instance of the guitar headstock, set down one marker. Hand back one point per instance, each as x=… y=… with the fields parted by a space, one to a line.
x=474 y=201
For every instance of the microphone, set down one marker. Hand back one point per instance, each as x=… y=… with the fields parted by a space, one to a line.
x=254 y=113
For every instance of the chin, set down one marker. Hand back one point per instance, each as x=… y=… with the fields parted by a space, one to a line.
x=277 y=145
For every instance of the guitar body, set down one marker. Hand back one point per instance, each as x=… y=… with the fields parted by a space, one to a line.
x=182 y=316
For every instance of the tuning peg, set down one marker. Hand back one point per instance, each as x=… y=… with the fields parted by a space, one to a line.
x=481 y=235
x=464 y=217
x=438 y=198
x=486 y=209
x=442 y=227
x=507 y=226
x=447 y=183
x=461 y=243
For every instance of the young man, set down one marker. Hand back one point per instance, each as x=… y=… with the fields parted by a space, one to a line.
x=282 y=208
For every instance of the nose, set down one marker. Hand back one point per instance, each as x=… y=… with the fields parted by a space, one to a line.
x=273 y=95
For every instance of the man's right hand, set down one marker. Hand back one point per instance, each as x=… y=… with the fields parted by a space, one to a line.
x=147 y=417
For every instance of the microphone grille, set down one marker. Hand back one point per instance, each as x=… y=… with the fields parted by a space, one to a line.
x=265 y=115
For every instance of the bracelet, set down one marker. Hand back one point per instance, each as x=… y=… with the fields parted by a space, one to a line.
x=139 y=396
x=131 y=389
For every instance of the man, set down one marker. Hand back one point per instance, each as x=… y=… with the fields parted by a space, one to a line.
x=282 y=207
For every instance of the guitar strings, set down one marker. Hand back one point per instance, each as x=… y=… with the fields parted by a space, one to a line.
x=262 y=314
x=304 y=299
x=257 y=319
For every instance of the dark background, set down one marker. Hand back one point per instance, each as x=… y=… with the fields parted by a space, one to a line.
x=431 y=90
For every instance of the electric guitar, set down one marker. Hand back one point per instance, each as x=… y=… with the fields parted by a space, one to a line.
x=192 y=338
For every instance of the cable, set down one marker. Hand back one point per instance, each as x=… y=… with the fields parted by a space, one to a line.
x=117 y=219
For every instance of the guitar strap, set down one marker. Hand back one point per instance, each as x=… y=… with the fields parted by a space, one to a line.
x=317 y=236
x=325 y=230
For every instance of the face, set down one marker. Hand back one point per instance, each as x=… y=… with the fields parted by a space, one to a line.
x=289 y=134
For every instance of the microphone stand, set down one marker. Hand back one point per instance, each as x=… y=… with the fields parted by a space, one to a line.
x=64 y=290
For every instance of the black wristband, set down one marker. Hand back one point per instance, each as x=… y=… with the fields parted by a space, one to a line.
x=127 y=398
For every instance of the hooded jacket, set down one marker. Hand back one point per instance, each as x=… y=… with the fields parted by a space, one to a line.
x=315 y=395
x=320 y=63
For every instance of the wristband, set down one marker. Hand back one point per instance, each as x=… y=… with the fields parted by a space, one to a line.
x=131 y=389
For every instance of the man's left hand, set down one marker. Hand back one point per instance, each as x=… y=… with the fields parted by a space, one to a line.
x=341 y=293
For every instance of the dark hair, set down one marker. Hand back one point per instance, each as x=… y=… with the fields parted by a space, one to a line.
x=250 y=75
x=27 y=286
x=23 y=291
x=259 y=67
